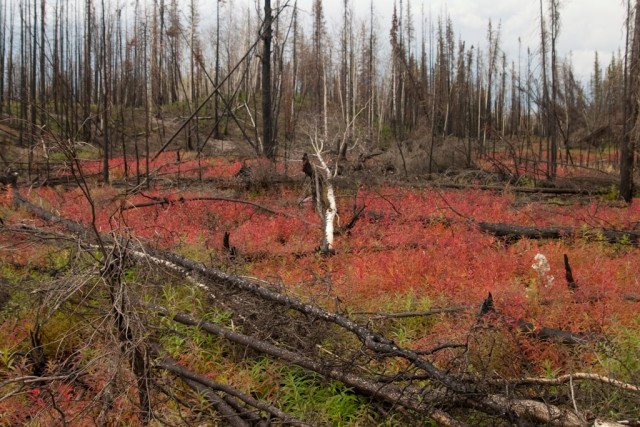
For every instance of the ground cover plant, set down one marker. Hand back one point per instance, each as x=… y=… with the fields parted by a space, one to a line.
x=99 y=325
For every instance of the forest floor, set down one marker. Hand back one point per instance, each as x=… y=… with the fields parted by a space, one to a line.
x=501 y=283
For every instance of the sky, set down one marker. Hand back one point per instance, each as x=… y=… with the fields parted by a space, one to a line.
x=586 y=26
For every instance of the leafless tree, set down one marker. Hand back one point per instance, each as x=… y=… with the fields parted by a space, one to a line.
x=632 y=86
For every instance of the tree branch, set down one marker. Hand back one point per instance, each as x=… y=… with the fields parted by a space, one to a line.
x=168 y=201
x=171 y=365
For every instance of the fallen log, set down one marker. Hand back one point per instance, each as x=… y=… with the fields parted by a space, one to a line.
x=515 y=232
x=534 y=410
x=404 y=315
x=540 y=332
x=515 y=189
x=568 y=378
x=373 y=341
x=423 y=403
x=553 y=334
x=227 y=413
x=512 y=231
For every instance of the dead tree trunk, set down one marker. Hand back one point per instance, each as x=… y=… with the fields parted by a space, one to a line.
x=269 y=143
x=514 y=232
x=632 y=85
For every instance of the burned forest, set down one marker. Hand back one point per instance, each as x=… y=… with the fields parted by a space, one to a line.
x=314 y=213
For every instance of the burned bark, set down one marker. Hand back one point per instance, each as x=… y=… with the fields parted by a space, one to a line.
x=571 y=283
x=515 y=232
x=201 y=383
x=553 y=334
x=11 y=178
x=231 y=251
x=536 y=331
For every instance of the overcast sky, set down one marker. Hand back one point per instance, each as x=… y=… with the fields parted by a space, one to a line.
x=587 y=26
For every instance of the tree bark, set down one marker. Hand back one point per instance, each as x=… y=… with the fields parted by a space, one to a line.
x=269 y=143
x=632 y=85
x=205 y=383
x=512 y=231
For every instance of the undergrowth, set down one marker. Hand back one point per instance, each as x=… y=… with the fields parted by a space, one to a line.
x=414 y=251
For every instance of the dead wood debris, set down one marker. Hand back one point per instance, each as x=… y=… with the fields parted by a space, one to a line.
x=515 y=232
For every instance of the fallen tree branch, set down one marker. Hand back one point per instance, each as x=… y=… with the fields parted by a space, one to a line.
x=227 y=413
x=371 y=340
x=524 y=408
x=167 y=202
x=540 y=412
x=578 y=376
x=352 y=222
x=390 y=393
x=172 y=366
x=432 y=312
x=440 y=348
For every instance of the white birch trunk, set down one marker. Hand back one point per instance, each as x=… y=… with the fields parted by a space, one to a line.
x=329 y=218
x=326 y=206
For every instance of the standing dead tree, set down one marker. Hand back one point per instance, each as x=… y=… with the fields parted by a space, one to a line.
x=631 y=110
x=323 y=193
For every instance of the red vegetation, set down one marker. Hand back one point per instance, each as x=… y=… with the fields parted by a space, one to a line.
x=422 y=241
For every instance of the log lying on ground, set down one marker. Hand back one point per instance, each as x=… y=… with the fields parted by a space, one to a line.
x=515 y=189
x=490 y=403
x=540 y=332
x=511 y=231
x=422 y=402
x=404 y=315
x=553 y=334
x=228 y=414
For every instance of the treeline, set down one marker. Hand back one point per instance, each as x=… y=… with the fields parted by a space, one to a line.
x=86 y=69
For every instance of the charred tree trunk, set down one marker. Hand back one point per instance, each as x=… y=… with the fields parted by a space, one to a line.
x=269 y=144
x=632 y=81
x=105 y=82
x=86 y=100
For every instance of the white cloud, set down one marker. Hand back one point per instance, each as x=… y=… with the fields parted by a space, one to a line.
x=586 y=25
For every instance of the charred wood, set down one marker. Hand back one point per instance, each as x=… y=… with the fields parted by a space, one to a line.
x=571 y=283
x=515 y=232
x=204 y=383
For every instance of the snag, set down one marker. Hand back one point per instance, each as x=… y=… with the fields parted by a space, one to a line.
x=569 y=275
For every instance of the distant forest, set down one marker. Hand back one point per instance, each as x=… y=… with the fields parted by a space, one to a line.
x=84 y=70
